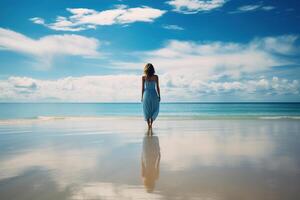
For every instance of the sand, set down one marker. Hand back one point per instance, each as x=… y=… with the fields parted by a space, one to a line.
x=113 y=158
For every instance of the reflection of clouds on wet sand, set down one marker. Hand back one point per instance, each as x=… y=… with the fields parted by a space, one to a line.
x=99 y=190
x=183 y=151
x=188 y=150
x=66 y=165
x=200 y=159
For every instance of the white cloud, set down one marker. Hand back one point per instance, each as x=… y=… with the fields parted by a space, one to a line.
x=45 y=48
x=275 y=86
x=173 y=27
x=208 y=60
x=189 y=71
x=252 y=7
x=268 y=8
x=247 y=8
x=38 y=20
x=82 y=18
x=193 y=69
x=122 y=88
x=87 y=88
x=281 y=44
x=195 y=6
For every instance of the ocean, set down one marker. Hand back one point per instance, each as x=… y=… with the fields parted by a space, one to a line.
x=182 y=110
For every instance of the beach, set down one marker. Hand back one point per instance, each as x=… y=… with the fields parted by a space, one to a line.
x=149 y=100
x=103 y=158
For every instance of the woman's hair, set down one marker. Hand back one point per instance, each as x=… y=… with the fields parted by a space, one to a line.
x=149 y=70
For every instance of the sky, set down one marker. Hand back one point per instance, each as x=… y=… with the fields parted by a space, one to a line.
x=202 y=50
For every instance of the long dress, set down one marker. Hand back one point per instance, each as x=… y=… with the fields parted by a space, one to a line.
x=150 y=100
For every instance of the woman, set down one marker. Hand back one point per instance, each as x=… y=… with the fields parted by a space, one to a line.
x=150 y=94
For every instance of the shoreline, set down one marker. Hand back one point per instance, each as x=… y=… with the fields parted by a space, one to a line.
x=140 y=118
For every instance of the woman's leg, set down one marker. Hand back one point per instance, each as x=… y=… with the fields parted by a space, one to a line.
x=149 y=123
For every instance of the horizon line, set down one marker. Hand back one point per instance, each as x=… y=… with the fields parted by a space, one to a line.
x=171 y=102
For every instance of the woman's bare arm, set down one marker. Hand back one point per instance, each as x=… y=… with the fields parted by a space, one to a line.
x=143 y=80
x=157 y=87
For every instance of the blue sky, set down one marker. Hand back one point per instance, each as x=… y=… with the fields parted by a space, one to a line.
x=87 y=51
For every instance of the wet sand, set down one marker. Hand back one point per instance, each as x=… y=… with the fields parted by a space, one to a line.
x=113 y=158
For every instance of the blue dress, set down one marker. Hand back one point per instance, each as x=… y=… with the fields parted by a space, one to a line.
x=150 y=100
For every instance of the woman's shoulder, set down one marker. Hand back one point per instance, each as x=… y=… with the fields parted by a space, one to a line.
x=153 y=77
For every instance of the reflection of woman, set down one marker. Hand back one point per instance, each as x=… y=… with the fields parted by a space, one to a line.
x=150 y=161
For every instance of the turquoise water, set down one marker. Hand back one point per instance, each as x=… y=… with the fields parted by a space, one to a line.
x=200 y=110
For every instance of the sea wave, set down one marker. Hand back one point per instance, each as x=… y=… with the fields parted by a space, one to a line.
x=162 y=117
x=61 y=118
x=280 y=117
x=50 y=117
